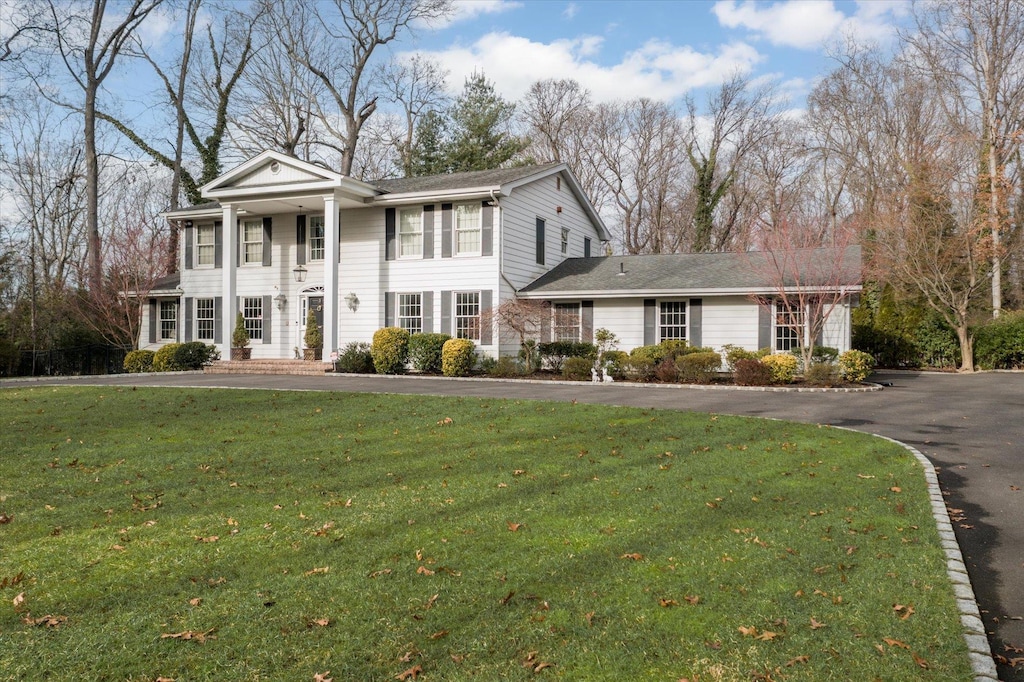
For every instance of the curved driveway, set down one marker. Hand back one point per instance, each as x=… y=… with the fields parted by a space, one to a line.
x=970 y=426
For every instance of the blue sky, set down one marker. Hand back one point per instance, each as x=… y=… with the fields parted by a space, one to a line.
x=659 y=49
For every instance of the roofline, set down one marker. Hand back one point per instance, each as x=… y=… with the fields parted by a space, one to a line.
x=576 y=188
x=655 y=293
x=454 y=195
x=332 y=180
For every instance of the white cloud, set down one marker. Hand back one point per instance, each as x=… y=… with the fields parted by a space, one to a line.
x=571 y=10
x=808 y=24
x=467 y=10
x=658 y=69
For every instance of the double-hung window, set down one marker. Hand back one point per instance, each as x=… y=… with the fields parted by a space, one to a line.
x=252 y=242
x=252 y=314
x=204 y=319
x=672 y=320
x=410 y=312
x=205 y=245
x=467 y=229
x=316 y=238
x=467 y=315
x=168 y=321
x=410 y=233
x=565 y=240
x=567 y=322
x=789 y=326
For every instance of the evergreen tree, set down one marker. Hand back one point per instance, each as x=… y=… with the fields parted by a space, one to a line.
x=481 y=128
x=430 y=151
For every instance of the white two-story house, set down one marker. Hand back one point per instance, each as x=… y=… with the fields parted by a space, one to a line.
x=434 y=254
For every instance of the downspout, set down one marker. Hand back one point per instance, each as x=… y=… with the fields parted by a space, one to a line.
x=501 y=243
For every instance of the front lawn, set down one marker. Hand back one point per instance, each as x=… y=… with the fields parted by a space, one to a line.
x=251 y=535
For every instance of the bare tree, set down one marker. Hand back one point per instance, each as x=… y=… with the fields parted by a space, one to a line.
x=521 y=320
x=417 y=86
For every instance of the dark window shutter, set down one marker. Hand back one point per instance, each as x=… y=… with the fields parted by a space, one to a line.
x=428 y=231
x=218 y=244
x=446 y=231
x=152 y=320
x=218 y=319
x=695 y=311
x=389 y=309
x=587 y=322
x=446 y=313
x=764 y=324
x=650 y=322
x=486 y=321
x=187 y=314
x=189 y=237
x=177 y=322
x=300 y=240
x=540 y=241
x=266 y=241
x=586 y=247
x=545 y=323
x=487 y=229
x=268 y=309
x=390 y=248
x=428 y=311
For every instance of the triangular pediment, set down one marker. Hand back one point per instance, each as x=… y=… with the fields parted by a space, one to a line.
x=271 y=171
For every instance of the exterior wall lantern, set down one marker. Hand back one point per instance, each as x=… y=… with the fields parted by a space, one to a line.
x=300 y=273
x=280 y=300
x=353 y=301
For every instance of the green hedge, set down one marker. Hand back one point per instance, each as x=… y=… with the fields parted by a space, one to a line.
x=425 y=351
x=355 y=358
x=194 y=355
x=577 y=369
x=699 y=367
x=1000 y=343
x=139 y=361
x=163 y=359
x=553 y=354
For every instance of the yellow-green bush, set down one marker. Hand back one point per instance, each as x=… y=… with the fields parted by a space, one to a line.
x=577 y=369
x=457 y=357
x=855 y=365
x=139 y=361
x=782 y=365
x=390 y=350
x=698 y=368
x=163 y=359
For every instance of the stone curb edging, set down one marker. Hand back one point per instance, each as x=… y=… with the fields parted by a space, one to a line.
x=81 y=377
x=982 y=663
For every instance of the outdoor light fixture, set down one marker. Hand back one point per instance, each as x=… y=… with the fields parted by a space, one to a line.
x=280 y=300
x=352 y=300
x=300 y=273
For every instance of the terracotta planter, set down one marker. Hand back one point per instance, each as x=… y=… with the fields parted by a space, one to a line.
x=241 y=353
x=312 y=354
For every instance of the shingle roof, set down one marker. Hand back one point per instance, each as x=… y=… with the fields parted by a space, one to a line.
x=689 y=272
x=166 y=283
x=455 y=181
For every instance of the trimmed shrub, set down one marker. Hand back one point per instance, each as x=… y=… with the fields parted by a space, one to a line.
x=641 y=369
x=355 y=358
x=390 y=350
x=700 y=367
x=1000 y=343
x=139 y=361
x=425 y=351
x=855 y=365
x=555 y=353
x=314 y=337
x=163 y=359
x=782 y=366
x=457 y=357
x=616 y=362
x=821 y=374
x=673 y=348
x=504 y=367
x=577 y=369
x=194 y=355
x=240 y=336
x=666 y=370
x=654 y=354
x=750 y=372
x=734 y=354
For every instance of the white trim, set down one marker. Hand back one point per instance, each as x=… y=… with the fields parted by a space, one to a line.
x=681 y=293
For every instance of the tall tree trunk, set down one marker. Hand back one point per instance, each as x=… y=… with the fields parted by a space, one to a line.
x=95 y=261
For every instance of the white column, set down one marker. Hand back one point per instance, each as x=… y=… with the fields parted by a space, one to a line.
x=331 y=254
x=229 y=264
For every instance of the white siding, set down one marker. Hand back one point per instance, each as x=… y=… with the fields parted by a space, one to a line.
x=729 y=320
x=624 y=317
x=263 y=176
x=837 y=329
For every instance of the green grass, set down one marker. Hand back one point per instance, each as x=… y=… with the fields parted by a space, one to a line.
x=373 y=513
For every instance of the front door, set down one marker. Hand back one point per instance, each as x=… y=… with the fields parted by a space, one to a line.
x=316 y=304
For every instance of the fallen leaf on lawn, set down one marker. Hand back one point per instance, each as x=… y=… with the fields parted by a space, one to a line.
x=212 y=538
x=767 y=636
x=518 y=472
x=410 y=674
x=439 y=634
x=423 y=570
x=895 y=642
x=904 y=611
x=46 y=621
x=457 y=658
x=117 y=548
x=589 y=617
x=747 y=631
x=896 y=489
x=196 y=601
x=276 y=508
x=864 y=476
x=635 y=556
x=19 y=600
x=503 y=485
x=692 y=599
x=377 y=574
x=164 y=679
x=514 y=526
x=322 y=677
x=430 y=602
x=535 y=665
x=920 y=661
x=668 y=602
x=1014 y=487
x=321 y=622
x=445 y=422
x=507 y=598
x=190 y=635
x=799 y=659
x=816 y=624
x=4 y=518
x=320 y=570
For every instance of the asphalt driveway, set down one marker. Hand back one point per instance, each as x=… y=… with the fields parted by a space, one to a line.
x=970 y=426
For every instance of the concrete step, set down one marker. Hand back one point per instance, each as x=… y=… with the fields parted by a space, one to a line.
x=268 y=367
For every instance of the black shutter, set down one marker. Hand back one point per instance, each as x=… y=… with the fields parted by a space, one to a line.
x=487 y=229
x=764 y=325
x=446 y=230
x=540 y=241
x=152 y=320
x=696 y=314
x=446 y=313
x=587 y=322
x=300 y=240
x=389 y=309
x=266 y=241
x=218 y=245
x=650 y=322
x=189 y=232
x=218 y=317
x=268 y=307
x=177 y=321
x=427 y=302
x=187 y=314
x=586 y=247
x=428 y=231
x=390 y=250
x=486 y=322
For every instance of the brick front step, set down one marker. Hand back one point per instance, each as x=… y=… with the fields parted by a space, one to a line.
x=268 y=367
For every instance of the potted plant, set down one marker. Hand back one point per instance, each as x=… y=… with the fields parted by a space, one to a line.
x=314 y=339
x=240 y=340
